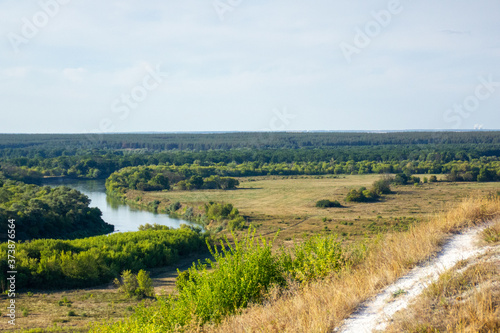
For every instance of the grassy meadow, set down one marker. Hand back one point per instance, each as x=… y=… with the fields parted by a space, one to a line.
x=273 y=203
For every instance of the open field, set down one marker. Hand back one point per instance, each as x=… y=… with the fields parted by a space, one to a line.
x=288 y=203
x=47 y=309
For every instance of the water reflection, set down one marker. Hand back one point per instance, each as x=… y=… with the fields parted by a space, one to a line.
x=123 y=217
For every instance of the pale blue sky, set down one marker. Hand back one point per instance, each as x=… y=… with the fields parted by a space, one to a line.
x=84 y=66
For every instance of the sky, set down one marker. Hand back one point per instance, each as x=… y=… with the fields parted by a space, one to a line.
x=74 y=66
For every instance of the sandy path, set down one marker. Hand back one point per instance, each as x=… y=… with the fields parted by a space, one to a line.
x=375 y=313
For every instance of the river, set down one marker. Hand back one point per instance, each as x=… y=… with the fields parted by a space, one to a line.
x=123 y=217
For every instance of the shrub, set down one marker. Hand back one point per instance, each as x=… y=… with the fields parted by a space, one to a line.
x=382 y=186
x=433 y=179
x=237 y=223
x=401 y=179
x=139 y=285
x=145 y=285
x=242 y=273
x=128 y=284
x=327 y=203
x=315 y=258
x=361 y=195
x=174 y=206
x=414 y=180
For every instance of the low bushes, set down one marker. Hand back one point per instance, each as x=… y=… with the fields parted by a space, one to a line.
x=379 y=187
x=361 y=195
x=241 y=274
x=138 y=285
x=327 y=204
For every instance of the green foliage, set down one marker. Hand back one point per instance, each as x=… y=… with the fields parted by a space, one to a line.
x=333 y=153
x=42 y=212
x=222 y=213
x=315 y=258
x=128 y=284
x=154 y=226
x=218 y=211
x=174 y=207
x=327 y=203
x=145 y=284
x=237 y=223
x=241 y=274
x=361 y=195
x=138 y=285
x=159 y=177
x=401 y=179
x=382 y=186
x=54 y=264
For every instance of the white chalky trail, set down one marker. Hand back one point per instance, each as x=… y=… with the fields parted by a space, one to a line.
x=374 y=314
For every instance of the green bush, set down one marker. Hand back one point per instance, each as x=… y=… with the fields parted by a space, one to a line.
x=401 y=179
x=145 y=285
x=327 y=204
x=139 y=285
x=241 y=273
x=382 y=186
x=128 y=284
x=361 y=195
x=315 y=258
x=236 y=224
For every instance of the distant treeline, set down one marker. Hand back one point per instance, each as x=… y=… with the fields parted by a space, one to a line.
x=31 y=157
x=53 y=145
x=79 y=263
x=184 y=175
x=42 y=212
x=102 y=165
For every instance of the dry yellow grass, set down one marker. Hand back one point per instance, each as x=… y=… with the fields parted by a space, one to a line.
x=323 y=305
x=462 y=300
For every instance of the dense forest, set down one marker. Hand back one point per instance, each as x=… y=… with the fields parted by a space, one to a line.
x=306 y=161
x=54 y=144
x=44 y=212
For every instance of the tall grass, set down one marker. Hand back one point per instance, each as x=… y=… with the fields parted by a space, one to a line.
x=321 y=306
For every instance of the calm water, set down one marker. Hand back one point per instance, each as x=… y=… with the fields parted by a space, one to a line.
x=123 y=217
